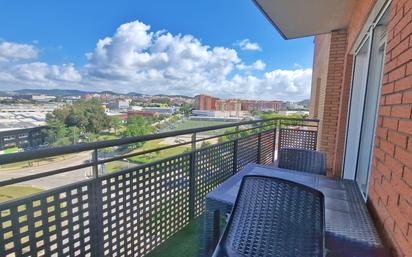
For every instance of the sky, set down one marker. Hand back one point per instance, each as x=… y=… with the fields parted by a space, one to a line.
x=222 y=48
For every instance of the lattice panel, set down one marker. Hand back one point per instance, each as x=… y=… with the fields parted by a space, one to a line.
x=295 y=138
x=145 y=206
x=53 y=223
x=213 y=166
x=267 y=149
x=247 y=151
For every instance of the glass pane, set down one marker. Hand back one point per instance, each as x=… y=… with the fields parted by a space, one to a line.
x=370 y=110
x=356 y=109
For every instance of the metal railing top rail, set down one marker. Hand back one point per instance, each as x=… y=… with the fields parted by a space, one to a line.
x=98 y=161
x=193 y=141
x=61 y=150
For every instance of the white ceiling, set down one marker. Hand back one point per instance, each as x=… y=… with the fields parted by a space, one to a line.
x=300 y=18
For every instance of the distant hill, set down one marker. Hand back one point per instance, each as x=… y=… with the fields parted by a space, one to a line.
x=183 y=96
x=134 y=94
x=5 y=93
x=53 y=92
x=73 y=92
x=305 y=102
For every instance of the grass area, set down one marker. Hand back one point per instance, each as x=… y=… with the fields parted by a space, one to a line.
x=35 y=163
x=14 y=165
x=157 y=155
x=107 y=137
x=114 y=166
x=10 y=192
x=189 y=124
x=11 y=150
x=182 y=244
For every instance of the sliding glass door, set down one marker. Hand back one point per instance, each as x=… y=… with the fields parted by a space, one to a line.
x=357 y=102
x=364 y=103
x=370 y=110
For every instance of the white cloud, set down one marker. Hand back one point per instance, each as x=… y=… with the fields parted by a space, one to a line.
x=278 y=84
x=245 y=44
x=39 y=75
x=297 y=66
x=258 y=65
x=13 y=51
x=136 y=53
x=137 y=59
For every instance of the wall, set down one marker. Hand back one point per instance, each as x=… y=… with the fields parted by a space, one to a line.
x=334 y=79
x=319 y=74
x=34 y=137
x=205 y=102
x=335 y=85
x=329 y=67
x=390 y=187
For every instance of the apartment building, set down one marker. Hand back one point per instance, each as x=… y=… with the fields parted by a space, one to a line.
x=210 y=103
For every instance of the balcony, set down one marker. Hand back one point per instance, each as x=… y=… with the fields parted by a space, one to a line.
x=134 y=210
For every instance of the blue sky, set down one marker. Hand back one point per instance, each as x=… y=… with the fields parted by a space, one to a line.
x=60 y=39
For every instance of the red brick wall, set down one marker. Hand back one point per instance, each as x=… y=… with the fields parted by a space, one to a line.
x=390 y=188
x=329 y=124
x=342 y=118
x=334 y=112
x=339 y=74
x=319 y=78
x=359 y=16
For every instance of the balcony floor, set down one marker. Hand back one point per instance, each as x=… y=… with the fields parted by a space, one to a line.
x=182 y=244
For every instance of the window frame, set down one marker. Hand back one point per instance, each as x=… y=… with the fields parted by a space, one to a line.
x=367 y=33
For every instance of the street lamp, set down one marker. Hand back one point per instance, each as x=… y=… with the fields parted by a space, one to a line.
x=128 y=162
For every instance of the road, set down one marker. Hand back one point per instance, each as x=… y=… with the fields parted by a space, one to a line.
x=52 y=181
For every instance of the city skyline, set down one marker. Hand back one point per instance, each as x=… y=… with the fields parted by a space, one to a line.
x=72 y=92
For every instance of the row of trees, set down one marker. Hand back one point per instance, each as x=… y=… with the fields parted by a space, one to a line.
x=270 y=115
x=86 y=115
x=87 y=121
x=137 y=126
x=263 y=116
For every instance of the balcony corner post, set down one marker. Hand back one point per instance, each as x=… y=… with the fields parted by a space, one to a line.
x=96 y=210
x=317 y=134
x=278 y=134
x=95 y=167
x=235 y=149
x=192 y=179
x=258 y=161
x=274 y=144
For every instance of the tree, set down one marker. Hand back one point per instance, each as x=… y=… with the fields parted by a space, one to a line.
x=227 y=137
x=162 y=100
x=186 y=109
x=271 y=115
x=255 y=112
x=66 y=124
x=90 y=137
x=205 y=144
x=57 y=134
x=137 y=126
x=88 y=116
x=233 y=136
x=116 y=123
